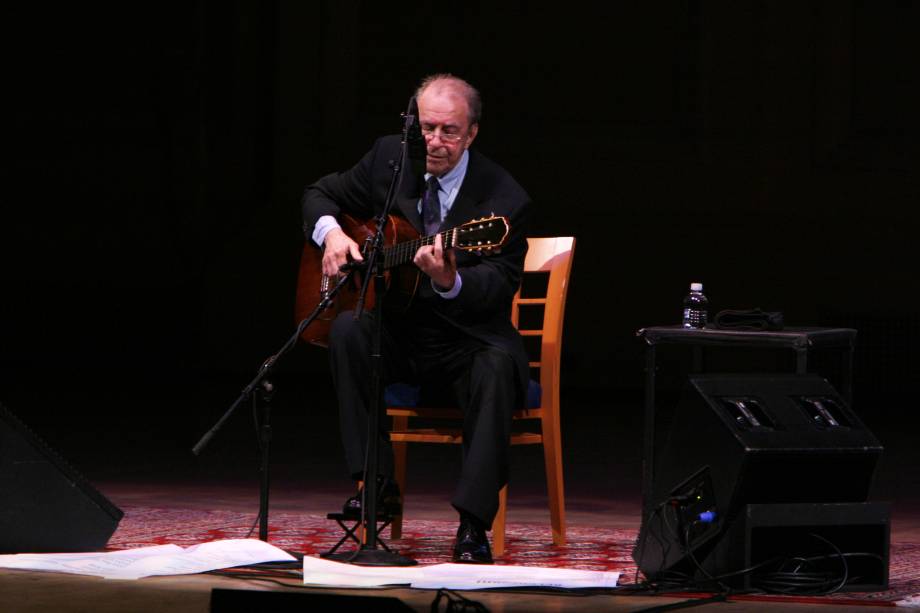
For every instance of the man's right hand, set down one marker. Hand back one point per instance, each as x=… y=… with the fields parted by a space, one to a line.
x=338 y=249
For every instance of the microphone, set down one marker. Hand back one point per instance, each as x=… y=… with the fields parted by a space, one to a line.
x=416 y=146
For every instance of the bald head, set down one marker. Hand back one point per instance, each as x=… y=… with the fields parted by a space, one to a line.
x=449 y=85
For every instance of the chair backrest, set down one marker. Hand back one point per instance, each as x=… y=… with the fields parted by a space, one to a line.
x=551 y=255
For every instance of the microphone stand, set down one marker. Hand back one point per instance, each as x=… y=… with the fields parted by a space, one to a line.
x=266 y=389
x=368 y=554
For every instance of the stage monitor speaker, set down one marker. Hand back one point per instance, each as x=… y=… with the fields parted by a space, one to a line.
x=248 y=601
x=45 y=504
x=737 y=440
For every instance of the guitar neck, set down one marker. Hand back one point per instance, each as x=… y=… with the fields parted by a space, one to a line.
x=403 y=253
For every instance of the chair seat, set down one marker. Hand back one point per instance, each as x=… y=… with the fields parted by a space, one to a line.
x=453 y=435
x=406 y=395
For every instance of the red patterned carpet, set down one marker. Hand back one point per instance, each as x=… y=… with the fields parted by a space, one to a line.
x=428 y=542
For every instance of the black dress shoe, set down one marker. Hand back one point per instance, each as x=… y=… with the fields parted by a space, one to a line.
x=389 y=500
x=472 y=545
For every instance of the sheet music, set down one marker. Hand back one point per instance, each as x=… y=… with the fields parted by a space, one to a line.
x=317 y=571
x=149 y=561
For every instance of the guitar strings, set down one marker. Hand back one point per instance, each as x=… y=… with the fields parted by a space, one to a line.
x=402 y=253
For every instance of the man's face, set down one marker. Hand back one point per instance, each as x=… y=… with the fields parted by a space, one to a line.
x=444 y=116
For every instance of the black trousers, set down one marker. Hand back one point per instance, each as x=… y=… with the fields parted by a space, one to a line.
x=455 y=368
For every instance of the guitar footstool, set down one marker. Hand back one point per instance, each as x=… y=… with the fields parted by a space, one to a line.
x=343 y=520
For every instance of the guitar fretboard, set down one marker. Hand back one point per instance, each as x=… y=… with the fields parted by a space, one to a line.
x=402 y=253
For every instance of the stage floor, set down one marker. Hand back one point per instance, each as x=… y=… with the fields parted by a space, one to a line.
x=37 y=591
x=141 y=461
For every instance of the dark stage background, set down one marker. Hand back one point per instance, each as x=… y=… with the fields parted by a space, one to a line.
x=157 y=152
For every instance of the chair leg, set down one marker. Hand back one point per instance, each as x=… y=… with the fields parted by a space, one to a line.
x=399 y=468
x=498 y=524
x=552 y=457
x=359 y=531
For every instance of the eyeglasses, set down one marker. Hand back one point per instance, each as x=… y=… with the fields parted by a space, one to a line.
x=446 y=137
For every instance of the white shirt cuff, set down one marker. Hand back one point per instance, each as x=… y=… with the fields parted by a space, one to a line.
x=322 y=227
x=452 y=292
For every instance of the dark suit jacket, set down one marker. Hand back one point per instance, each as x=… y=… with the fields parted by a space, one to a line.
x=483 y=307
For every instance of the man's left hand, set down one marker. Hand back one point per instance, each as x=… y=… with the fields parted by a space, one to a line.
x=438 y=264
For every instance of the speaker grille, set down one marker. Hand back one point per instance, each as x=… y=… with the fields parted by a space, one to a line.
x=47 y=505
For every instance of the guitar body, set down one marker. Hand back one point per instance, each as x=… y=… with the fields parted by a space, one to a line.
x=401 y=281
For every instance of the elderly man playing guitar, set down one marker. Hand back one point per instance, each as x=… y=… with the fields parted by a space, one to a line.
x=454 y=336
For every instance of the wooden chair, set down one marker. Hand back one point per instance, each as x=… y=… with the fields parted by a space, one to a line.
x=545 y=255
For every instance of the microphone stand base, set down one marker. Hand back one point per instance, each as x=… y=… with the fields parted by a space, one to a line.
x=372 y=557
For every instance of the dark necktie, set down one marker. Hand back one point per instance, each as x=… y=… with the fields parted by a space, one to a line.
x=431 y=207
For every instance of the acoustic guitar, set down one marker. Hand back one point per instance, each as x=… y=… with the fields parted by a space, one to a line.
x=401 y=241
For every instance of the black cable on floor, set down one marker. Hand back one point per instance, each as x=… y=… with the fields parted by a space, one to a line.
x=685 y=604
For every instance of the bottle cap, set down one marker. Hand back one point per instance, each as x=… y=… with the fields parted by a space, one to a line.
x=696 y=287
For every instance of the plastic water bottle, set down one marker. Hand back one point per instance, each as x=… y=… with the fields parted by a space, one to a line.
x=696 y=307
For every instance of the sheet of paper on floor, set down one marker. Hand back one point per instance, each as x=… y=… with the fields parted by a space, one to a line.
x=317 y=571
x=149 y=561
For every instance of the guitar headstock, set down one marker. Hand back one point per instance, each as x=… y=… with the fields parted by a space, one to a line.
x=485 y=234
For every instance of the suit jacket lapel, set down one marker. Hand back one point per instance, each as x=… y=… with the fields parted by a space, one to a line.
x=407 y=199
x=408 y=206
x=466 y=206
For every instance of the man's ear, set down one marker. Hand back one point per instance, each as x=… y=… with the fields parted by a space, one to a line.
x=474 y=130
